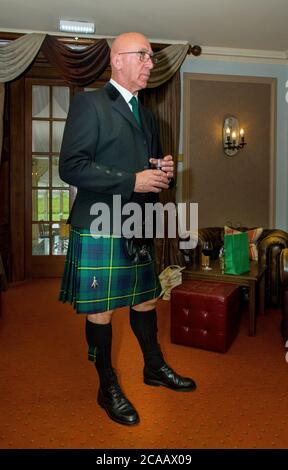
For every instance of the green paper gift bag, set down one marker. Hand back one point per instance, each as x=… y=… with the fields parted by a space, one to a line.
x=236 y=253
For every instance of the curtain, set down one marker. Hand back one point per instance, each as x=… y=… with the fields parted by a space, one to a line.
x=1 y=116
x=78 y=66
x=169 y=60
x=16 y=56
x=165 y=102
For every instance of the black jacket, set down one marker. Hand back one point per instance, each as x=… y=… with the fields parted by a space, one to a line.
x=102 y=149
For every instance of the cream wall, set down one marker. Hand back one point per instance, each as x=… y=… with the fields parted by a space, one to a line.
x=229 y=189
x=280 y=73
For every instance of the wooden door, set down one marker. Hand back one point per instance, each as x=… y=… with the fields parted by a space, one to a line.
x=47 y=198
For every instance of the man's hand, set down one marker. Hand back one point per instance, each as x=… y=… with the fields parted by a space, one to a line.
x=151 y=181
x=166 y=164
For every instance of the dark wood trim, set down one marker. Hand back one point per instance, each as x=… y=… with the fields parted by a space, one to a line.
x=5 y=191
x=9 y=36
x=17 y=178
x=28 y=178
x=36 y=266
x=4 y=35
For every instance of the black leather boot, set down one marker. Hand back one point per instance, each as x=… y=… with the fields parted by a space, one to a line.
x=110 y=396
x=156 y=371
x=168 y=378
x=114 y=402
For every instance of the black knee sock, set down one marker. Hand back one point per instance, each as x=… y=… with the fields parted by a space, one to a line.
x=99 y=339
x=144 y=326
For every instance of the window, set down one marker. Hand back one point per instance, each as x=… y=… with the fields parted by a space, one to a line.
x=50 y=195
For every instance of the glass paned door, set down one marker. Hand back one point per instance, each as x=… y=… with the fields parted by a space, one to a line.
x=50 y=195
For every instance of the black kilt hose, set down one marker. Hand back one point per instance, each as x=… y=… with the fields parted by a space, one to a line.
x=99 y=276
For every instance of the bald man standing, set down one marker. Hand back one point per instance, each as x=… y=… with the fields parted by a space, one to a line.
x=109 y=143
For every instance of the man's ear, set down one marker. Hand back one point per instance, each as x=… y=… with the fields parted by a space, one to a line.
x=117 y=62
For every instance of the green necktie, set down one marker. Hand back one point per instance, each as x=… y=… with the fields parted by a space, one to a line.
x=135 y=110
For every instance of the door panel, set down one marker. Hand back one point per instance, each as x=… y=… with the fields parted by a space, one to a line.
x=48 y=198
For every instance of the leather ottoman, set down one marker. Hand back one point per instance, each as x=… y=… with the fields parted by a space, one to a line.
x=205 y=314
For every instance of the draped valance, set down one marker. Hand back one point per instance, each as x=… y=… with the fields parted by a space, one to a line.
x=16 y=56
x=78 y=66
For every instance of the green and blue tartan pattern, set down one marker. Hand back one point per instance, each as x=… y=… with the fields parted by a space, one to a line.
x=98 y=276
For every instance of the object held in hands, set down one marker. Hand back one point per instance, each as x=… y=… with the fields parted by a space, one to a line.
x=156 y=165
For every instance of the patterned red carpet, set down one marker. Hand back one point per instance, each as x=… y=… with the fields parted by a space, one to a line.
x=48 y=388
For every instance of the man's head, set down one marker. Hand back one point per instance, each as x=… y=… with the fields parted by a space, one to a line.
x=131 y=61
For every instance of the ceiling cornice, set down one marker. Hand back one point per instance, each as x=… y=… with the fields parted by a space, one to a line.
x=244 y=55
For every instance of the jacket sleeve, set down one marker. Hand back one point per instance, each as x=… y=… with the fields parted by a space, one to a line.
x=158 y=147
x=78 y=164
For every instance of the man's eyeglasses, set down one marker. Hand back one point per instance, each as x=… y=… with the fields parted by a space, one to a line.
x=144 y=56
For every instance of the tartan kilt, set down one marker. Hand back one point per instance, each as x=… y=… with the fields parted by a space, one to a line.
x=99 y=276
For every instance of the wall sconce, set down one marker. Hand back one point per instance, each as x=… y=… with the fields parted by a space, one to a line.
x=233 y=137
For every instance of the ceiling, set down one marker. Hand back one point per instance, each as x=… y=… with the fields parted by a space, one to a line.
x=243 y=24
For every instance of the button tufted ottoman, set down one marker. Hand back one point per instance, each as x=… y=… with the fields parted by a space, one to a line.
x=205 y=314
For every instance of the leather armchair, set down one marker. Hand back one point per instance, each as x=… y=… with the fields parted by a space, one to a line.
x=270 y=244
x=284 y=281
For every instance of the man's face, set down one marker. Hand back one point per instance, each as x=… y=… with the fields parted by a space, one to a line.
x=136 y=67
